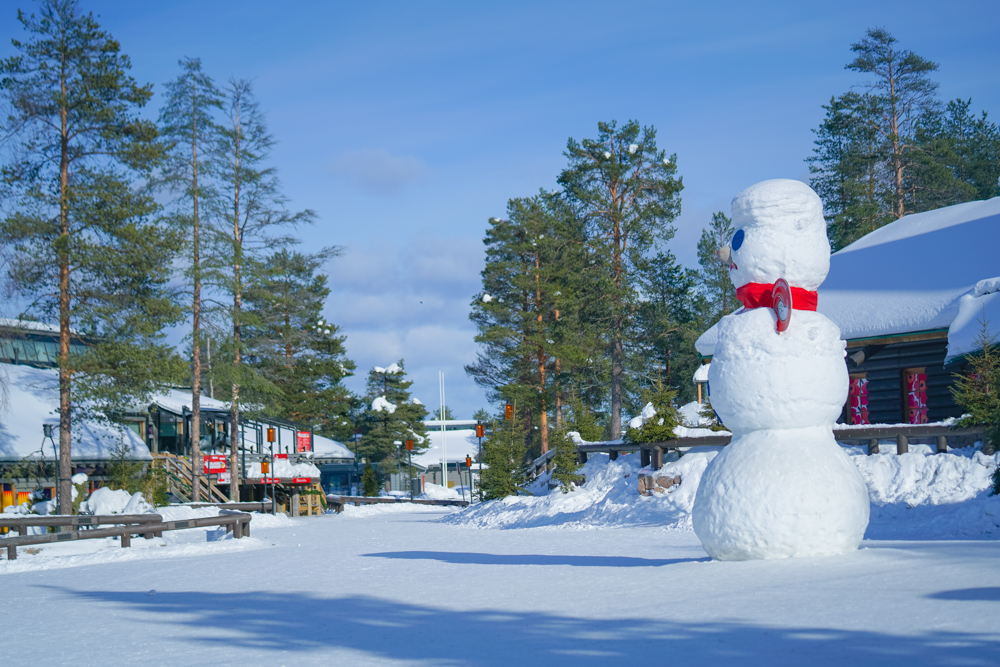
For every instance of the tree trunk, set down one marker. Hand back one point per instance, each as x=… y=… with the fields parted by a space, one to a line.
x=234 y=435
x=617 y=357
x=195 y=433
x=65 y=374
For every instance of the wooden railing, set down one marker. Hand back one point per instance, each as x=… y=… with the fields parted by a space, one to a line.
x=337 y=503
x=147 y=525
x=652 y=452
x=179 y=476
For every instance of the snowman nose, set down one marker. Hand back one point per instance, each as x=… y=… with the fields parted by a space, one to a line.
x=724 y=254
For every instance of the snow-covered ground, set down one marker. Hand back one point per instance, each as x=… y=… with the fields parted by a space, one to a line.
x=604 y=577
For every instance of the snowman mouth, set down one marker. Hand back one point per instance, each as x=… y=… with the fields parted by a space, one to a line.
x=733 y=267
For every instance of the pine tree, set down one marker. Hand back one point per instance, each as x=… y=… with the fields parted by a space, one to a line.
x=977 y=390
x=566 y=461
x=582 y=421
x=627 y=191
x=504 y=452
x=390 y=414
x=290 y=344
x=713 y=277
x=663 y=347
x=900 y=93
x=186 y=119
x=370 y=486
x=86 y=250
x=660 y=427
x=249 y=220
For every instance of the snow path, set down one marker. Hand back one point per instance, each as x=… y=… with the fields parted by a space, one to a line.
x=399 y=588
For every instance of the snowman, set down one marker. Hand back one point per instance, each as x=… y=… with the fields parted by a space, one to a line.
x=783 y=487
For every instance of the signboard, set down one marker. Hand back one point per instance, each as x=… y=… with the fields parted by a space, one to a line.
x=480 y=431
x=409 y=445
x=269 y=480
x=223 y=478
x=278 y=457
x=214 y=463
x=301 y=480
x=303 y=441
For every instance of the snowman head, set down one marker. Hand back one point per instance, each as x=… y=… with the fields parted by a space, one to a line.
x=780 y=233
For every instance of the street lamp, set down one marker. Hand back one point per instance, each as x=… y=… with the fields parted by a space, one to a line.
x=399 y=460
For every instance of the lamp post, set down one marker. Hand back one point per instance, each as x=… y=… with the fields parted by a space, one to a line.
x=480 y=432
x=274 y=502
x=399 y=459
x=409 y=464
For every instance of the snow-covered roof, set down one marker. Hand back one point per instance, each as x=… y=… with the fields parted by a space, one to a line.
x=33 y=399
x=459 y=444
x=701 y=375
x=327 y=448
x=175 y=400
x=937 y=270
x=449 y=423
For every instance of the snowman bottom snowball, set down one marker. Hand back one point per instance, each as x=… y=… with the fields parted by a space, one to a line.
x=781 y=494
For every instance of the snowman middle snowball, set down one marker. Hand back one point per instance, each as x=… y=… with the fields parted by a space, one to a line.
x=783 y=487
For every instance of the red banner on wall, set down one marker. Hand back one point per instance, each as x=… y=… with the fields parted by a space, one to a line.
x=303 y=441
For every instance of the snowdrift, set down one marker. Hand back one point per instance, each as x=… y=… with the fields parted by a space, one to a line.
x=918 y=495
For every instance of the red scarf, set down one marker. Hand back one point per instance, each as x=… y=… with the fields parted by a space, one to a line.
x=758 y=295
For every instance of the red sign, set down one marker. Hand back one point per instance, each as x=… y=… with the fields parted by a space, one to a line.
x=303 y=441
x=281 y=456
x=409 y=445
x=301 y=480
x=269 y=480
x=214 y=463
x=781 y=301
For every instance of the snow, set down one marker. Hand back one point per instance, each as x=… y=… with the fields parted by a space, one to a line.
x=283 y=468
x=389 y=370
x=487 y=298
x=632 y=148
x=381 y=403
x=873 y=288
x=701 y=375
x=177 y=400
x=691 y=415
x=79 y=478
x=118 y=501
x=34 y=398
x=621 y=579
x=438 y=492
x=327 y=448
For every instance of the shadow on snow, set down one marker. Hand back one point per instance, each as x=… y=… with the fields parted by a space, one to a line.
x=388 y=630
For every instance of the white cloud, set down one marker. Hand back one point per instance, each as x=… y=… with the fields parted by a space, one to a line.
x=378 y=172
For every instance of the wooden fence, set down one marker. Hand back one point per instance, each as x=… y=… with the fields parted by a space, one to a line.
x=652 y=452
x=337 y=503
x=147 y=525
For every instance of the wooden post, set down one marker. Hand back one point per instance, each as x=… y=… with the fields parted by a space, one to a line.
x=246 y=529
x=644 y=457
x=583 y=457
x=873 y=446
x=902 y=445
x=613 y=455
x=657 y=462
x=126 y=540
x=11 y=552
x=295 y=501
x=942 y=444
x=237 y=529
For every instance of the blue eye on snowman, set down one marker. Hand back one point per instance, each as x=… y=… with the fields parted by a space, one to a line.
x=737 y=240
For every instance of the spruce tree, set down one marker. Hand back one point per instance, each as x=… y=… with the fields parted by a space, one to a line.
x=566 y=461
x=390 y=414
x=186 y=119
x=370 y=486
x=86 y=249
x=977 y=389
x=660 y=427
x=294 y=347
x=249 y=220
x=627 y=191
x=504 y=452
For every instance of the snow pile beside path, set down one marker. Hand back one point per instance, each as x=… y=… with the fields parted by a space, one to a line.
x=919 y=495
x=115 y=501
x=438 y=492
x=365 y=511
x=609 y=498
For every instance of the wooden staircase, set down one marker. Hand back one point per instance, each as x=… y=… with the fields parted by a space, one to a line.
x=179 y=478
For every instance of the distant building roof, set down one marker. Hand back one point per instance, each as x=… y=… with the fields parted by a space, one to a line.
x=33 y=399
x=938 y=270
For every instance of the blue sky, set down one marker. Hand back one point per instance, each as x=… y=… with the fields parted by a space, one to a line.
x=406 y=126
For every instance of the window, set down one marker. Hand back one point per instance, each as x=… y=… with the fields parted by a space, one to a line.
x=857 y=400
x=915 y=395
